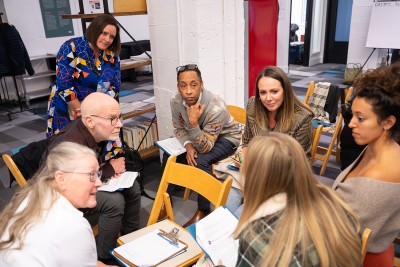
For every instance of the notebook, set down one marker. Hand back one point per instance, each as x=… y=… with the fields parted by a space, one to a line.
x=171 y=146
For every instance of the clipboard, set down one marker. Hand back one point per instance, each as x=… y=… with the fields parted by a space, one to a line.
x=170 y=241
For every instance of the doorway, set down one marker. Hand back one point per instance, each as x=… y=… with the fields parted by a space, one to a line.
x=338 y=31
x=325 y=28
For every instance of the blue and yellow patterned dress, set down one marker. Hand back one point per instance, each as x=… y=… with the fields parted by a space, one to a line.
x=78 y=75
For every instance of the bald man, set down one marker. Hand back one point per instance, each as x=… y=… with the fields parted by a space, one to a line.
x=119 y=211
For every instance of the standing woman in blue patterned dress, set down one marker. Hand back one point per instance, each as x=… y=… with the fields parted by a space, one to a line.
x=85 y=65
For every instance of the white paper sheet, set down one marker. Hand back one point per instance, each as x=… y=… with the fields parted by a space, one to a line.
x=148 y=250
x=171 y=146
x=125 y=181
x=214 y=235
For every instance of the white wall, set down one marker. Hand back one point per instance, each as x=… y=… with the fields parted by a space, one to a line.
x=358 y=52
x=206 y=32
x=26 y=16
x=282 y=53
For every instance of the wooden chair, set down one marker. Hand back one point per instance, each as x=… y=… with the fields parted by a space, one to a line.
x=22 y=181
x=239 y=115
x=397 y=260
x=323 y=153
x=316 y=135
x=14 y=170
x=364 y=242
x=191 y=178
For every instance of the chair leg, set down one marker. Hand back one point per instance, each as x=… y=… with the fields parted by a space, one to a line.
x=186 y=194
x=168 y=206
x=330 y=150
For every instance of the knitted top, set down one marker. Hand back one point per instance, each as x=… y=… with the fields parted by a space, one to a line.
x=213 y=123
x=376 y=204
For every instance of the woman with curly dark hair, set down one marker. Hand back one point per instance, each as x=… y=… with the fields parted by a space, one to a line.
x=371 y=184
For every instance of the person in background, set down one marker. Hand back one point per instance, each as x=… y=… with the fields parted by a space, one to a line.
x=274 y=108
x=289 y=218
x=371 y=184
x=42 y=226
x=85 y=65
x=203 y=125
x=349 y=149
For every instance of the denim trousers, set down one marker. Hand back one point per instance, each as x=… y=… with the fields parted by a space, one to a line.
x=222 y=149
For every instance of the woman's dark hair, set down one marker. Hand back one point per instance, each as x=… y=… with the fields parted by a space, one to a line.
x=96 y=28
x=381 y=89
x=286 y=111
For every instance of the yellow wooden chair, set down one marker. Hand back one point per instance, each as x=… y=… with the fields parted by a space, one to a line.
x=239 y=115
x=191 y=178
x=22 y=181
x=14 y=170
x=323 y=153
x=397 y=260
x=316 y=135
x=364 y=242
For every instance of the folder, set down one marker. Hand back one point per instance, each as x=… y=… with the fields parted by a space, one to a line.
x=171 y=146
x=151 y=249
x=218 y=242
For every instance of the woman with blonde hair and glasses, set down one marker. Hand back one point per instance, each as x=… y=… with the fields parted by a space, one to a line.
x=289 y=218
x=42 y=226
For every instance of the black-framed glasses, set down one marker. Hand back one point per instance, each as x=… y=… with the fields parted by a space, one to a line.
x=186 y=67
x=93 y=175
x=113 y=120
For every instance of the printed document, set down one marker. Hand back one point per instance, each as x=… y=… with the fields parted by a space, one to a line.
x=171 y=146
x=214 y=235
x=149 y=250
x=126 y=180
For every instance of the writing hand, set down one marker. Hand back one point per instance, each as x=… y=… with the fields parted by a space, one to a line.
x=118 y=166
x=239 y=156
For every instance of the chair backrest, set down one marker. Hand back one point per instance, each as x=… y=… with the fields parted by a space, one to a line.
x=310 y=91
x=323 y=153
x=238 y=113
x=14 y=170
x=191 y=178
x=364 y=242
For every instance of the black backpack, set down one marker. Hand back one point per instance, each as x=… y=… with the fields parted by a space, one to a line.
x=133 y=160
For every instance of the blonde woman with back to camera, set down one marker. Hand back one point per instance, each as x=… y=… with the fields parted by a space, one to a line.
x=289 y=218
x=42 y=225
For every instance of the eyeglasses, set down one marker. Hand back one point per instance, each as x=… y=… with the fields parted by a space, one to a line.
x=113 y=120
x=186 y=67
x=93 y=175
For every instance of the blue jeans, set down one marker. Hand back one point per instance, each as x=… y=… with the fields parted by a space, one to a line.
x=234 y=202
x=222 y=149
